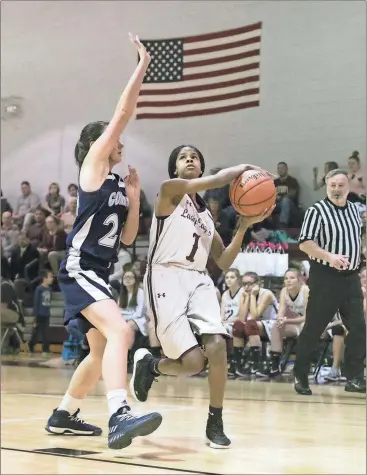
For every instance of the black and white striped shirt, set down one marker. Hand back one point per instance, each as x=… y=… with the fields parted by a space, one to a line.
x=336 y=229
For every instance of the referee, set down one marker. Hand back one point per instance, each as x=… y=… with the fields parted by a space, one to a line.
x=331 y=236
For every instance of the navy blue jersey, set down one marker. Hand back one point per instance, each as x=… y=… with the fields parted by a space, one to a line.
x=100 y=217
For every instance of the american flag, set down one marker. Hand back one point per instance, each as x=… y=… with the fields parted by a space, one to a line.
x=202 y=75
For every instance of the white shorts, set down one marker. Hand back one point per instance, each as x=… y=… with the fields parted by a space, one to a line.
x=183 y=302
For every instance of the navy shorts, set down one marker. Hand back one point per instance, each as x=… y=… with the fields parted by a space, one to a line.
x=82 y=286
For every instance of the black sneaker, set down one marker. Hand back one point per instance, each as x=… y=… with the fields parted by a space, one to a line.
x=301 y=386
x=124 y=427
x=356 y=385
x=142 y=379
x=62 y=422
x=215 y=434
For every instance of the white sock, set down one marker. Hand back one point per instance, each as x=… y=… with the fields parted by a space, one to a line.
x=116 y=399
x=69 y=404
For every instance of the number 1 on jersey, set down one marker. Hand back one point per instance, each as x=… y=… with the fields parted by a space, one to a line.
x=194 y=249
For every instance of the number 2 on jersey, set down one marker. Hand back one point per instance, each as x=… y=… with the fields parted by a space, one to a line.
x=109 y=239
x=194 y=249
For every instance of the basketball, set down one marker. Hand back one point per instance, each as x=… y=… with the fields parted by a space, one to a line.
x=252 y=193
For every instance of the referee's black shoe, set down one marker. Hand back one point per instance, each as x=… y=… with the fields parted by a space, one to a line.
x=356 y=385
x=301 y=385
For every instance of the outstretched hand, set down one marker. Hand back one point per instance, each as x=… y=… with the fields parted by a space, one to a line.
x=247 y=221
x=132 y=184
x=259 y=169
x=143 y=53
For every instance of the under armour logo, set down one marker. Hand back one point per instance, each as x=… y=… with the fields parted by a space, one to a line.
x=161 y=295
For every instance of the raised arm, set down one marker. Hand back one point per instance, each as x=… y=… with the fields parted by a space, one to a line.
x=95 y=167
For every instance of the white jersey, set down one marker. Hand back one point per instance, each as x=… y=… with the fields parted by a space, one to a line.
x=297 y=305
x=184 y=238
x=270 y=313
x=231 y=305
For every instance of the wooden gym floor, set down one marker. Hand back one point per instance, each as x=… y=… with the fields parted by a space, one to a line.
x=273 y=430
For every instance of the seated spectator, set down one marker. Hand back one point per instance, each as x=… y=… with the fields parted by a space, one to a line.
x=68 y=218
x=115 y=278
x=132 y=305
x=72 y=193
x=318 y=184
x=221 y=221
x=291 y=316
x=26 y=206
x=9 y=233
x=287 y=188
x=54 y=202
x=337 y=331
x=24 y=260
x=41 y=310
x=53 y=245
x=5 y=205
x=258 y=311
x=357 y=185
x=37 y=230
x=218 y=194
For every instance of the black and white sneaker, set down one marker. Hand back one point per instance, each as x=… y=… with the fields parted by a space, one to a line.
x=62 y=422
x=123 y=427
x=215 y=434
x=143 y=377
x=356 y=385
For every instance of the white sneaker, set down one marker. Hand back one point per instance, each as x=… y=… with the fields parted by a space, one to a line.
x=333 y=375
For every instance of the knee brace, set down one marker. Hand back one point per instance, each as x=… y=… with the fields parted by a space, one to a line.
x=239 y=329
x=251 y=328
x=337 y=330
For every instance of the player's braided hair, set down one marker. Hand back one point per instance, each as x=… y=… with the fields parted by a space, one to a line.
x=173 y=158
x=90 y=133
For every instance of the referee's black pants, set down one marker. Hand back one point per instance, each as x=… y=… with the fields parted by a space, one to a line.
x=330 y=291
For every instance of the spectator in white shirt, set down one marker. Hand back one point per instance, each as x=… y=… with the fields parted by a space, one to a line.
x=26 y=206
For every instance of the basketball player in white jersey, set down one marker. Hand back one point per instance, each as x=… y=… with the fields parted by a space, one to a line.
x=180 y=293
x=291 y=316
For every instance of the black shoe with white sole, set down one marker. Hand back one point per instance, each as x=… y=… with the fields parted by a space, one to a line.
x=301 y=386
x=62 y=422
x=123 y=427
x=215 y=434
x=356 y=385
x=143 y=376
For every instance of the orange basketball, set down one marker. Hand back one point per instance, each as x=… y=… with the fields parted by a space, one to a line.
x=252 y=193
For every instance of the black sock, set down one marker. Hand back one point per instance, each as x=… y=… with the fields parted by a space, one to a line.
x=255 y=354
x=237 y=355
x=215 y=411
x=153 y=366
x=156 y=351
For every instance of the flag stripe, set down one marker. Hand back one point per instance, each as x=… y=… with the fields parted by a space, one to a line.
x=201 y=87
x=222 y=72
x=199 y=100
x=218 y=54
x=222 y=34
x=188 y=113
x=219 y=66
x=222 y=47
x=223 y=59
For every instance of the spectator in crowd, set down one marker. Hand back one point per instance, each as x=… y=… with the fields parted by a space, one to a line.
x=54 y=202
x=72 y=193
x=24 y=259
x=53 y=245
x=291 y=316
x=115 y=278
x=258 y=311
x=318 y=184
x=68 y=218
x=219 y=194
x=9 y=233
x=221 y=220
x=132 y=305
x=357 y=185
x=37 y=230
x=337 y=331
x=287 y=189
x=5 y=205
x=41 y=310
x=27 y=204
x=145 y=217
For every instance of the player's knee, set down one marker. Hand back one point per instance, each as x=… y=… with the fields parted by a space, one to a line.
x=215 y=349
x=251 y=328
x=193 y=362
x=239 y=329
x=338 y=330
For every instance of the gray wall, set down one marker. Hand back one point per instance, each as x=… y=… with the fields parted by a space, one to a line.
x=70 y=61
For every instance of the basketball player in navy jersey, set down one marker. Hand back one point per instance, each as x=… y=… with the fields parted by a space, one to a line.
x=108 y=211
x=180 y=293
